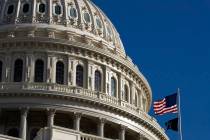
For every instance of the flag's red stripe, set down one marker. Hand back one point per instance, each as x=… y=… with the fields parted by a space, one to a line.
x=159 y=102
x=172 y=109
x=165 y=109
x=159 y=108
x=160 y=105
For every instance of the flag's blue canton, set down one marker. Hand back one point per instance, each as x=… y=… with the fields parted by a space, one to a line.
x=171 y=100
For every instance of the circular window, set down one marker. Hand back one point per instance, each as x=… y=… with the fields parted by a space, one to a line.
x=98 y=23
x=10 y=9
x=87 y=17
x=26 y=7
x=57 y=9
x=42 y=8
x=73 y=12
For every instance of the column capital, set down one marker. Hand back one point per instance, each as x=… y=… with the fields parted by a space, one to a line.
x=77 y=115
x=24 y=111
x=102 y=120
x=123 y=128
x=51 y=112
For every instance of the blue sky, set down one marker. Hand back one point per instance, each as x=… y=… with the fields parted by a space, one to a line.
x=170 y=42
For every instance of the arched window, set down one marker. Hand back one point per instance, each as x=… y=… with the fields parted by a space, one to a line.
x=73 y=12
x=42 y=8
x=87 y=17
x=58 y=9
x=79 y=76
x=26 y=8
x=98 y=80
x=14 y=132
x=126 y=92
x=99 y=23
x=18 y=70
x=1 y=70
x=60 y=72
x=10 y=9
x=39 y=71
x=33 y=133
x=113 y=87
x=136 y=99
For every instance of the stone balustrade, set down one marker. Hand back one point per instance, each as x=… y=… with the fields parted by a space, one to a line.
x=71 y=90
x=4 y=137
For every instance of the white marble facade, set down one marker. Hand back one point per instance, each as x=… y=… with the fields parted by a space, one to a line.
x=64 y=74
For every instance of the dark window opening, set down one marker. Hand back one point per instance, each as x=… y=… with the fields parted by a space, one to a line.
x=42 y=8
x=39 y=71
x=60 y=72
x=18 y=70
x=10 y=9
x=79 y=76
x=57 y=9
x=26 y=8
x=97 y=81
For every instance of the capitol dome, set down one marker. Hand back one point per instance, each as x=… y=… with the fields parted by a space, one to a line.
x=68 y=20
x=64 y=74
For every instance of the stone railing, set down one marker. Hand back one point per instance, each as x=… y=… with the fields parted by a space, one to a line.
x=74 y=91
x=92 y=137
x=4 y=137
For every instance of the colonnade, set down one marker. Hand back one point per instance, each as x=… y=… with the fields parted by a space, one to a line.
x=77 y=118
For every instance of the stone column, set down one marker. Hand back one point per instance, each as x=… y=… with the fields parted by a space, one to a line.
x=77 y=118
x=122 y=132
x=101 y=124
x=17 y=11
x=50 y=118
x=50 y=11
x=23 y=123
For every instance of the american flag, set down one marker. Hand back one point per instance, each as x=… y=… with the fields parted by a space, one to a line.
x=166 y=105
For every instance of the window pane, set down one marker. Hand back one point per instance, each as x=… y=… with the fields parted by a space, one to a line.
x=73 y=12
x=25 y=8
x=87 y=17
x=98 y=22
x=18 y=70
x=39 y=71
x=79 y=76
x=10 y=9
x=1 y=68
x=60 y=73
x=42 y=8
x=113 y=87
x=57 y=9
x=97 y=81
x=126 y=93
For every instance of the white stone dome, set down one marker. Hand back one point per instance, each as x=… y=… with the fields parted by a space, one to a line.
x=63 y=19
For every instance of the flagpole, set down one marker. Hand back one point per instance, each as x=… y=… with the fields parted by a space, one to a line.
x=179 y=114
